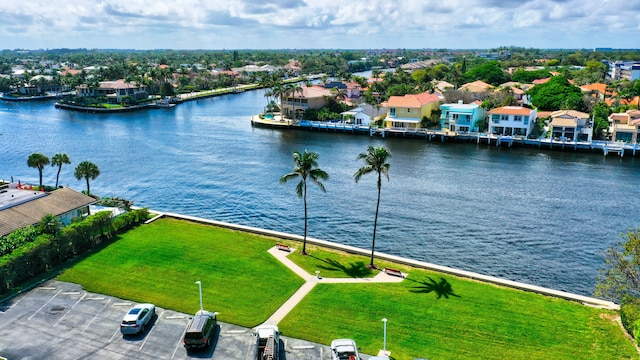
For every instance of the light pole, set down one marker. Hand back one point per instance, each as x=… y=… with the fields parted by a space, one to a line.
x=200 y=289
x=384 y=342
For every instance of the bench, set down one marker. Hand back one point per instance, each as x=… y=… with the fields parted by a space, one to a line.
x=283 y=247
x=393 y=272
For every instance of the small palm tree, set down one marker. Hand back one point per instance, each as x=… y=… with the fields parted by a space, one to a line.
x=306 y=167
x=87 y=170
x=38 y=161
x=58 y=160
x=375 y=161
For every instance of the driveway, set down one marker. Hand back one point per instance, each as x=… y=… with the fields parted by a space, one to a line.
x=59 y=320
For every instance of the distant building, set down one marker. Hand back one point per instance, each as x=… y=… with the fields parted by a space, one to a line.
x=365 y=114
x=114 y=91
x=309 y=97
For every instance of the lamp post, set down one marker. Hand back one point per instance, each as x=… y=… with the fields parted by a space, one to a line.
x=200 y=289
x=384 y=342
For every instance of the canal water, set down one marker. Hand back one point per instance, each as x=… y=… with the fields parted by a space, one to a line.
x=529 y=215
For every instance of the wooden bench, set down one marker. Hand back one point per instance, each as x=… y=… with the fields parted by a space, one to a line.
x=283 y=247
x=393 y=272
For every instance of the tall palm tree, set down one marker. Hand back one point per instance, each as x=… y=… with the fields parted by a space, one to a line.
x=38 y=161
x=87 y=170
x=306 y=167
x=58 y=160
x=375 y=160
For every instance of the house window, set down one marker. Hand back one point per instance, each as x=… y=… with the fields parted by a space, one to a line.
x=392 y=111
x=495 y=118
x=408 y=111
x=504 y=117
x=517 y=118
x=526 y=120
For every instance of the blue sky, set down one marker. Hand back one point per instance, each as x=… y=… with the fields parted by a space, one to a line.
x=312 y=24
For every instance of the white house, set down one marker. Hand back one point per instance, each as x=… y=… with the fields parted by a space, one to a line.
x=512 y=120
x=365 y=114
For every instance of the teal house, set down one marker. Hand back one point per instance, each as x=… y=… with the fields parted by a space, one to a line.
x=461 y=117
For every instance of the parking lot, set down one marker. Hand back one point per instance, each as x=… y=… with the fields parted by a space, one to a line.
x=59 y=320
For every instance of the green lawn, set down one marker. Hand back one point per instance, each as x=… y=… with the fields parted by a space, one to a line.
x=161 y=261
x=469 y=320
x=337 y=264
x=431 y=315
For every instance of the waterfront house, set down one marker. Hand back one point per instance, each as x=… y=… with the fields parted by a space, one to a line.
x=461 y=117
x=571 y=125
x=477 y=86
x=114 y=91
x=596 y=90
x=20 y=208
x=407 y=111
x=365 y=114
x=352 y=89
x=512 y=120
x=625 y=126
x=309 y=97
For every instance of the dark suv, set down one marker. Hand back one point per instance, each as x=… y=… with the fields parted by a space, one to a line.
x=200 y=330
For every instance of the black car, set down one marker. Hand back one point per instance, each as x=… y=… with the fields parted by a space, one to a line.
x=200 y=330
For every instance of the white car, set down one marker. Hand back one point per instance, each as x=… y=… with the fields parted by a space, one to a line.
x=137 y=319
x=344 y=349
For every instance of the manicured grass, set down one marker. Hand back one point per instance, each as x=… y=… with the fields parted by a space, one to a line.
x=160 y=262
x=469 y=320
x=337 y=264
x=431 y=315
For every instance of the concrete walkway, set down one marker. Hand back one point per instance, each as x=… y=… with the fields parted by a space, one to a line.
x=312 y=280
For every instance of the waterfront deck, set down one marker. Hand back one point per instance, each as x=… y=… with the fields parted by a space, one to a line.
x=276 y=121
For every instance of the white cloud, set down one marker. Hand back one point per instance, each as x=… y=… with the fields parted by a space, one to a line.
x=318 y=23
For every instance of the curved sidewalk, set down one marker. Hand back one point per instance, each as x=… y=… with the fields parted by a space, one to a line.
x=311 y=281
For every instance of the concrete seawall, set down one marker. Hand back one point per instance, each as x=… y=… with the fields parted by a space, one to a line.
x=589 y=301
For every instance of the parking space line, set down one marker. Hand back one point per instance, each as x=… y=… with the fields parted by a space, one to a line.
x=71 y=293
x=95 y=316
x=179 y=343
x=46 y=288
x=149 y=333
x=114 y=335
x=122 y=304
x=45 y=304
x=176 y=317
x=97 y=298
x=71 y=308
x=236 y=331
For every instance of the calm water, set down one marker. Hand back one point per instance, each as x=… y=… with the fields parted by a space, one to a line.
x=539 y=217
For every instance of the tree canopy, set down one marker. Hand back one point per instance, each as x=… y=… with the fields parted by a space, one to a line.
x=489 y=72
x=556 y=94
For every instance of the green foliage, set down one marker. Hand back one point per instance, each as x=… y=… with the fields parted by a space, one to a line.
x=489 y=72
x=601 y=114
x=36 y=253
x=524 y=76
x=557 y=93
x=630 y=317
x=619 y=280
x=17 y=238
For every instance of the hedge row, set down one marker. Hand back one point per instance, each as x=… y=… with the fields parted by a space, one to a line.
x=48 y=251
x=630 y=317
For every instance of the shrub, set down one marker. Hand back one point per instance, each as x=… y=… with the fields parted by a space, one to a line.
x=32 y=254
x=630 y=317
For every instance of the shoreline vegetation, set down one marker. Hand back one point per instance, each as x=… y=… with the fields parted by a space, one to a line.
x=464 y=317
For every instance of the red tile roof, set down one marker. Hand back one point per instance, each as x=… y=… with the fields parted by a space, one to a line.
x=511 y=110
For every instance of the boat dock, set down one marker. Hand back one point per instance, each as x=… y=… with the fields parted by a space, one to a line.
x=607 y=147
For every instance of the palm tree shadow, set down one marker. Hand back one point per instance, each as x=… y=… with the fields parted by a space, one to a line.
x=356 y=269
x=441 y=288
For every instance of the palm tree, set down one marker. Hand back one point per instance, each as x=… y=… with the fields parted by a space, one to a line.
x=87 y=170
x=375 y=161
x=339 y=94
x=58 y=160
x=306 y=167
x=38 y=161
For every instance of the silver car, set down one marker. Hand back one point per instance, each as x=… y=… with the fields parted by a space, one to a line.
x=344 y=349
x=137 y=319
